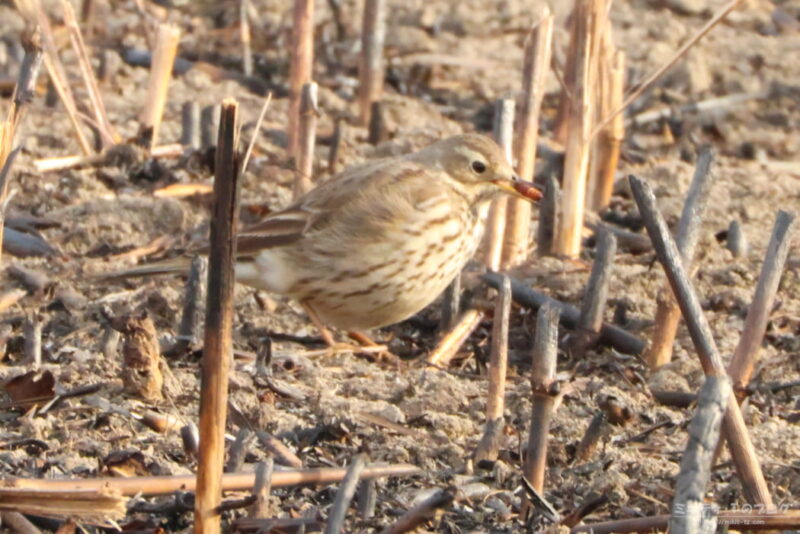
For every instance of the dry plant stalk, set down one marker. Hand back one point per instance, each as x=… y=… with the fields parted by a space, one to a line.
x=590 y=321
x=668 y=314
x=755 y=521
x=489 y=446
x=300 y=67
x=448 y=346
x=587 y=18
x=496 y=222
x=34 y=13
x=345 y=495
x=98 y=505
x=73 y=162
x=218 y=344
x=307 y=138
x=108 y=134
x=371 y=66
x=741 y=447
x=605 y=156
x=164 y=485
x=160 y=75
x=642 y=86
x=689 y=506
x=24 y=92
x=538 y=51
x=422 y=512
x=744 y=358
x=244 y=27
x=544 y=390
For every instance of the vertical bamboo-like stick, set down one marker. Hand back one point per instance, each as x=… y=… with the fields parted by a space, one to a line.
x=548 y=217
x=376 y=130
x=160 y=75
x=579 y=116
x=190 y=125
x=209 y=126
x=543 y=374
x=244 y=31
x=371 y=65
x=300 y=68
x=262 y=488
x=503 y=131
x=590 y=320
x=309 y=109
x=217 y=349
x=736 y=241
x=538 y=51
x=668 y=314
x=489 y=445
x=742 y=450
x=611 y=136
x=744 y=358
x=451 y=305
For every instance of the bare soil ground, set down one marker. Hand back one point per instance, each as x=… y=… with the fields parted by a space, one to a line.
x=102 y=216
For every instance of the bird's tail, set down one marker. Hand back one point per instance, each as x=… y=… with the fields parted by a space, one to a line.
x=170 y=266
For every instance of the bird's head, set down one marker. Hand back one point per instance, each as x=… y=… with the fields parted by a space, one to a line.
x=479 y=165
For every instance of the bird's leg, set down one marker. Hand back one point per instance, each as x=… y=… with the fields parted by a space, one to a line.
x=366 y=344
x=361 y=338
x=370 y=347
x=323 y=330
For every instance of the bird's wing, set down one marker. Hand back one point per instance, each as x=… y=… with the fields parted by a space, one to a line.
x=312 y=211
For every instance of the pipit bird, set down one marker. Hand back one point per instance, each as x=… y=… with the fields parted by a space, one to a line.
x=379 y=242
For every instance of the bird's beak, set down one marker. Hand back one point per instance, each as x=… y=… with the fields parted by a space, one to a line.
x=519 y=188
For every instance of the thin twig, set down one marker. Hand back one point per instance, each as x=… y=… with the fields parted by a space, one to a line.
x=650 y=80
x=164 y=485
x=789 y=520
x=107 y=132
x=256 y=131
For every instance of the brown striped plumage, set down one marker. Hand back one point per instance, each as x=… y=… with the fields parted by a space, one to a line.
x=379 y=242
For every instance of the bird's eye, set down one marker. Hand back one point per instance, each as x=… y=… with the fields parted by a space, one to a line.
x=479 y=167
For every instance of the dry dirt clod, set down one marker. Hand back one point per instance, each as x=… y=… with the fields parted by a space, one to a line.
x=141 y=354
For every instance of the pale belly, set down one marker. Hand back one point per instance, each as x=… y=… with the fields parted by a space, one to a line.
x=384 y=283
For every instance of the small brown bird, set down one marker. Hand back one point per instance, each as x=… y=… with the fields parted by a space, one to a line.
x=378 y=242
